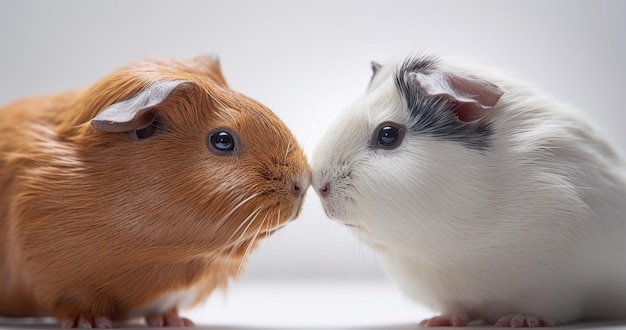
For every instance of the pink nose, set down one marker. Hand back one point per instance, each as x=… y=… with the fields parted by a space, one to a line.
x=325 y=190
x=296 y=189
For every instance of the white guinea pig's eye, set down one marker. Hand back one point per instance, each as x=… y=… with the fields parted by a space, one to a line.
x=388 y=135
x=223 y=141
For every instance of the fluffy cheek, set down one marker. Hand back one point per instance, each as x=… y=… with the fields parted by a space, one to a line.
x=391 y=198
x=335 y=209
x=325 y=175
x=338 y=204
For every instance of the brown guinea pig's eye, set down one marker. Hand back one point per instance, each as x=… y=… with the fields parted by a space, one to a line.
x=223 y=141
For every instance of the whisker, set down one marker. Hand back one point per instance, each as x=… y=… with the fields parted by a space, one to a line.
x=241 y=240
x=278 y=220
x=249 y=219
x=234 y=244
x=229 y=214
x=250 y=246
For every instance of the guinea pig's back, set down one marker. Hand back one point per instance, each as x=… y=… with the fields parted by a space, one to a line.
x=21 y=123
x=556 y=157
x=42 y=109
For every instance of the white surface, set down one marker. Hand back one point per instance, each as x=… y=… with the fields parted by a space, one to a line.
x=304 y=304
x=314 y=304
x=308 y=59
x=301 y=304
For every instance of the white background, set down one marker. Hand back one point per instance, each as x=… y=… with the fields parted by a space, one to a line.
x=306 y=60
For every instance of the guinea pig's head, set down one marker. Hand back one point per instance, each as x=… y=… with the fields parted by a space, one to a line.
x=174 y=157
x=403 y=162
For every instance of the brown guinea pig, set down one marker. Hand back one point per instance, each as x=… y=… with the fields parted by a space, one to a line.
x=139 y=195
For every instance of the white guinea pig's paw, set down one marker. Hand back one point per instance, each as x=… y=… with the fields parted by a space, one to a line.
x=167 y=320
x=444 y=321
x=87 y=322
x=523 y=321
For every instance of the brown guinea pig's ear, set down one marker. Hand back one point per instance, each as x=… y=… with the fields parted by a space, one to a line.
x=209 y=65
x=136 y=115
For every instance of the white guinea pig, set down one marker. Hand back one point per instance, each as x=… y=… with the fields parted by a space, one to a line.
x=484 y=199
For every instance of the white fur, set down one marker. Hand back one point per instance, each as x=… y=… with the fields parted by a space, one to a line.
x=181 y=300
x=535 y=224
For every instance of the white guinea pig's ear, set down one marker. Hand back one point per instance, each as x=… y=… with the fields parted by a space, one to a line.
x=471 y=95
x=375 y=68
x=136 y=112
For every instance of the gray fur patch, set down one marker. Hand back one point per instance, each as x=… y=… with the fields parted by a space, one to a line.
x=434 y=115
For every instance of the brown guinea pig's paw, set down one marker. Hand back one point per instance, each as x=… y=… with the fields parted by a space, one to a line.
x=86 y=322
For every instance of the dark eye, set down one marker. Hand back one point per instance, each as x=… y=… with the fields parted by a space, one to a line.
x=388 y=135
x=222 y=141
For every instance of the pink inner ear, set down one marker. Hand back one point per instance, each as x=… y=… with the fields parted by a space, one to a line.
x=481 y=91
x=472 y=95
x=468 y=112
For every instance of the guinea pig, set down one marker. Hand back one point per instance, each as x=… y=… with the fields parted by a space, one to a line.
x=484 y=199
x=139 y=195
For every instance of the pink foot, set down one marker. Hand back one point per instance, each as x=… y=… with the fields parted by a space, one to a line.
x=87 y=322
x=523 y=321
x=444 y=321
x=168 y=320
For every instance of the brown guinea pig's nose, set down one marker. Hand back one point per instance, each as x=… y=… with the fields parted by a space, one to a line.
x=299 y=186
x=296 y=189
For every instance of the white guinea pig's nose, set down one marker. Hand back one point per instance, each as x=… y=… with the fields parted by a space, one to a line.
x=324 y=190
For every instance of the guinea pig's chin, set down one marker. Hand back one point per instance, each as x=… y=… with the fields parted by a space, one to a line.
x=334 y=213
x=297 y=208
x=283 y=213
x=366 y=237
